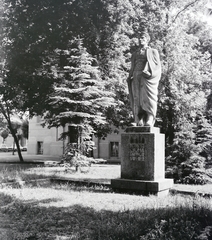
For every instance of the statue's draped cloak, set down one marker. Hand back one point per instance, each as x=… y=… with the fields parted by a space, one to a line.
x=143 y=91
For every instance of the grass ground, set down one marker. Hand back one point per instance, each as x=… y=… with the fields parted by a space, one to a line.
x=68 y=212
x=106 y=172
x=62 y=212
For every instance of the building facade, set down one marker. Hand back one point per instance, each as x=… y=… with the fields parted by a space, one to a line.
x=43 y=140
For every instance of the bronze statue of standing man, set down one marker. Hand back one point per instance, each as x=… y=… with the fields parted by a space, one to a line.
x=143 y=81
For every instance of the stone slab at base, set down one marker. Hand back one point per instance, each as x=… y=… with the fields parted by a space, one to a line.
x=159 y=188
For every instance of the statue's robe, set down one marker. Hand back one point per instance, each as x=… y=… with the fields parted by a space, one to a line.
x=143 y=90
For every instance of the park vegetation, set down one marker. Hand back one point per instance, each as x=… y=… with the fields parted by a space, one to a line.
x=74 y=212
x=69 y=60
x=33 y=207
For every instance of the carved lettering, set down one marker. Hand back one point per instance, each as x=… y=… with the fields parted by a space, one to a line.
x=137 y=148
x=137 y=151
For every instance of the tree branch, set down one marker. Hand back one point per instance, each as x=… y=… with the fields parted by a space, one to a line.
x=187 y=6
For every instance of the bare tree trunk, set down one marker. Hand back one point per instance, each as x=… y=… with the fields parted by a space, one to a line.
x=18 y=148
x=6 y=111
x=17 y=144
x=14 y=147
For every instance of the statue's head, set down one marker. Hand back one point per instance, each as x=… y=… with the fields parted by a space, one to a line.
x=144 y=38
x=146 y=35
x=140 y=34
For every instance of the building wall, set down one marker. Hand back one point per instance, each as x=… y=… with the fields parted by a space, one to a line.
x=103 y=147
x=108 y=148
x=44 y=138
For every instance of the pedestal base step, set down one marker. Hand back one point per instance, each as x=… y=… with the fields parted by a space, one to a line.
x=159 y=188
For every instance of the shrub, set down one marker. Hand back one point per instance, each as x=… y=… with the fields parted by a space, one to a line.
x=74 y=157
x=184 y=162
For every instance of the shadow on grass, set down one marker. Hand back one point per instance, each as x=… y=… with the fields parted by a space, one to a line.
x=28 y=220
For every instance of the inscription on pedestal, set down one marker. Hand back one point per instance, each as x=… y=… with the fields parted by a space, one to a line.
x=137 y=148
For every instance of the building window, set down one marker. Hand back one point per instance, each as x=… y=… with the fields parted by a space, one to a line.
x=114 y=149
x=73 y=134
x=40 y=148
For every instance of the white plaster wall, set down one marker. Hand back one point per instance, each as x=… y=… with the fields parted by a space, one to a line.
x=51 y=144
x=104 y=147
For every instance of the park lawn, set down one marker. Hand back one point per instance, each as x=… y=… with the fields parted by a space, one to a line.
x=102 y=172
x=96 y=171
x=106 y=172
x=70 y=212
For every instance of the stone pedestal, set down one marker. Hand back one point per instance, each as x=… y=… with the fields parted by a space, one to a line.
x=143 y=162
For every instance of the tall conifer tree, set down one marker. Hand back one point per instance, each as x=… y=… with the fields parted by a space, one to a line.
x=80 y=97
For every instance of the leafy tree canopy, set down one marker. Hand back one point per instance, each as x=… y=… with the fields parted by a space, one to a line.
x=45 y=70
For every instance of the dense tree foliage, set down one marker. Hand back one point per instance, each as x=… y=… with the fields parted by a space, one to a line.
x=80 y=96
x=45 y=71
x=184 y=89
